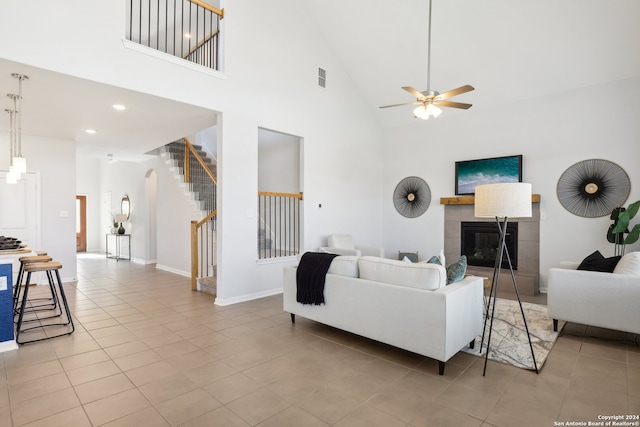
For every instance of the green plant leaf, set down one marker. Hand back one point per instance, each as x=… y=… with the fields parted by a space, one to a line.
x=633 y=235
x=623 y=222
x=632 y=210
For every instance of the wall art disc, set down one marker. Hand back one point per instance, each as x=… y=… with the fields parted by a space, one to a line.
x=412 y=197
x=593 y=188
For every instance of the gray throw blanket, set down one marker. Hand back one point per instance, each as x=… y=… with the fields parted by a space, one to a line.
x=310 y=277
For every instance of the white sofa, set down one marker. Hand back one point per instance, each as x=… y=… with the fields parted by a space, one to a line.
x=406 y=305
x=606 y=300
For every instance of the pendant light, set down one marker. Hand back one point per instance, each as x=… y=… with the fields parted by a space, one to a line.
x=19 y=163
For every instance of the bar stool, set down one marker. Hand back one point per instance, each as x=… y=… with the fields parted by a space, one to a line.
x=62 y=307
x=16 y=290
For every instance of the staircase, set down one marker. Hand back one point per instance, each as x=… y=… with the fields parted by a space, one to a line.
x=202 y=194
x=203 y=191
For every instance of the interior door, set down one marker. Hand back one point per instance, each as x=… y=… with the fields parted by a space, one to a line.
x=81 y=223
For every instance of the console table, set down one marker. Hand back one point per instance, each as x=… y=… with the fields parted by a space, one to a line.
x=118 y=246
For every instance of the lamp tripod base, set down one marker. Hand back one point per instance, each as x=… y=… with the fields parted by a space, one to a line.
x=493 y=294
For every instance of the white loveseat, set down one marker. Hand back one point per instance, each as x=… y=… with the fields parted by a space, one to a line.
x=606 y=300
x=406 y=305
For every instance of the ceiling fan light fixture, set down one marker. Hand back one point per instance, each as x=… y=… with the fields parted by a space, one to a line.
x=425 y=111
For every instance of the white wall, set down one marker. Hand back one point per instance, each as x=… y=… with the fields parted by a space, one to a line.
x=54 y=161
x=278 y=162
x=276 y=75
x=351 y=165
x=552 y=133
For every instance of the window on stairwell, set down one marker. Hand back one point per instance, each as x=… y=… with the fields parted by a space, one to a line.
x=279 y=194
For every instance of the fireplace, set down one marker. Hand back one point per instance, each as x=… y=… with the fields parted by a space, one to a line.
x=479 y=242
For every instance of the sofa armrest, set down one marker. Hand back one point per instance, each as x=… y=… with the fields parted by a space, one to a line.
x=607 y=300
x=371 y=251
x=569 y=265
x=464 y=311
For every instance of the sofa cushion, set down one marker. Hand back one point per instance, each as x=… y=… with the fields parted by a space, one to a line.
x=344 y=266
x=629 y=264
x=413 y=275
x=597 y=262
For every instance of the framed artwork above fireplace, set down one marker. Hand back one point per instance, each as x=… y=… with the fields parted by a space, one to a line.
x=470 y=173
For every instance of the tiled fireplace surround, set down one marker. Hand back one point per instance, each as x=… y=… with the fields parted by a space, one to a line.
x=528 y=270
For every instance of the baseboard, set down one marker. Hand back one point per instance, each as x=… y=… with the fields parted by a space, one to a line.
x=249 y=297
x=8 y=345
x=173 y=270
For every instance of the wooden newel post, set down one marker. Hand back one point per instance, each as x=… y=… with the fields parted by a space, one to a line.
x=194 y=255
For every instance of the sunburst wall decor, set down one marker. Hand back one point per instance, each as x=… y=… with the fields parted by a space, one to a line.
x=412 y=197
x=593 y=188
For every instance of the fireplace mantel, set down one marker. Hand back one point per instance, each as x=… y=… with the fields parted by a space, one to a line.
x=470 y=200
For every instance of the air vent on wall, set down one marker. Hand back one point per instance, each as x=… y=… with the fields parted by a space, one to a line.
x=322 y=77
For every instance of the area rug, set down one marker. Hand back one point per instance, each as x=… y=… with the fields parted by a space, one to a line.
x=509 y=343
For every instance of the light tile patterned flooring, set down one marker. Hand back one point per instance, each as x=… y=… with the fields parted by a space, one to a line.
x=148 y=351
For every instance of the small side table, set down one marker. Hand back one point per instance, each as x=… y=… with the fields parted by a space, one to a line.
x=118 y=246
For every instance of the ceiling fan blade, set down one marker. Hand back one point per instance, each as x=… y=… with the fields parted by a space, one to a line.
x=453 y=104
x=414 y=92
x=398 y=105
x=454 y=92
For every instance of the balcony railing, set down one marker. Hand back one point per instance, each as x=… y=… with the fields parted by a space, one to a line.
x=188 y=29
x=279 y=224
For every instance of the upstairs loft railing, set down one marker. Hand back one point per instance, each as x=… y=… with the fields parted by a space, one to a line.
x=203 y=183
x=278 y=224
x=188 y=29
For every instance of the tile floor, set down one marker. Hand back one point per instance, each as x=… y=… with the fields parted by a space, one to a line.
x=147 y=351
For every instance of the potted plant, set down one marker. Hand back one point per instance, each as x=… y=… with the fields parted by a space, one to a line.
x=616 y=233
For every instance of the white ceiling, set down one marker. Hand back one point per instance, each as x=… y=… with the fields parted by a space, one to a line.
x=508 y=50
x=63 y=107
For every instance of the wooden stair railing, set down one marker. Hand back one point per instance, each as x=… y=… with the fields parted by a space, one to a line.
x=195 y=255
x=175 y=26
x=196 y=226
x=279 y=224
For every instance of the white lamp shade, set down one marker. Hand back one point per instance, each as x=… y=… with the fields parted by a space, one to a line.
x=121 y=217
x=509 y=199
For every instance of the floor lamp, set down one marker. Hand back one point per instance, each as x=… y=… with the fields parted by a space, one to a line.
x=502 y=201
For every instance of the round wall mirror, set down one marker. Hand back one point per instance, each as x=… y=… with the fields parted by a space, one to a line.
x=125 y=206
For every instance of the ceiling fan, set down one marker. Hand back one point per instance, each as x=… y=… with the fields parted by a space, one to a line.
x=430 y=100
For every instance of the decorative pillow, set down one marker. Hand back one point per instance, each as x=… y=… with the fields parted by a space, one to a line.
x=457 y=270
x=597 y=262
x=434 y=260
x=629 y=264
x=406 y=259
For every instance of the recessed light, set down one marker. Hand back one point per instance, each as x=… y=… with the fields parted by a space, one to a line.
x=119 y=107
x=91 y=131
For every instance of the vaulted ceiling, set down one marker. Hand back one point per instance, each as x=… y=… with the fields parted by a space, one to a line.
x=508 y=50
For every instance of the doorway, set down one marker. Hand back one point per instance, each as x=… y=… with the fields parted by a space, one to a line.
x=81 y=223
